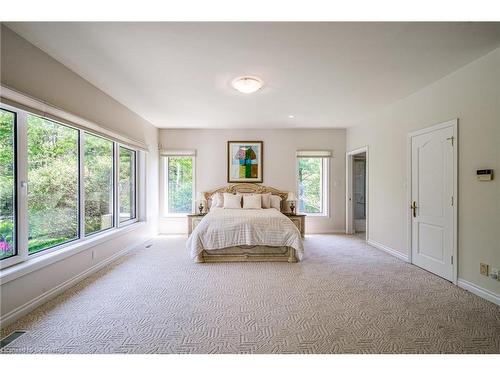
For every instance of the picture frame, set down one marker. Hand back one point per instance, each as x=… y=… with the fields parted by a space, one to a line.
x=245 y=161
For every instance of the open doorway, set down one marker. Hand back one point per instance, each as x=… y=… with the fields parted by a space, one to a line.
x=357 y=193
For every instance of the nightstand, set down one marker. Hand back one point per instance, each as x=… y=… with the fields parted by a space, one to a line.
x=299 y=220
x=193 y=221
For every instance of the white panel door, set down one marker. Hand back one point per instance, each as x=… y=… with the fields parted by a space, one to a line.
x=432 y=201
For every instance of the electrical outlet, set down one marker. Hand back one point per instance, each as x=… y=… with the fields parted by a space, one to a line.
x=483 y=269
x=494 y=274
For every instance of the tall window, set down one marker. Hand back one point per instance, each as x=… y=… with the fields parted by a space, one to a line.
x=313 y=185
x=53 y=169
x=98 y=173
x=127 y=184
x=179 y=174
x=7 y=184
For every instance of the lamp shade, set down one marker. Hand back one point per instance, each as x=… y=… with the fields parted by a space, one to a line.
x=200 y=197
x=291 y=196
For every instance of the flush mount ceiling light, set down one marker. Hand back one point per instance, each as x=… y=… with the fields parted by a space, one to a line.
x=247 y=84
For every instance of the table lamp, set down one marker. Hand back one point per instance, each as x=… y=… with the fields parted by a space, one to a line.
x=201 y=199
x=292 y=198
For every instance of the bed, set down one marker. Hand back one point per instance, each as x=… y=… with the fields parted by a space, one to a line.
x=229 y=235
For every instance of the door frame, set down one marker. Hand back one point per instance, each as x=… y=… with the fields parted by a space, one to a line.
x=453 y=124
x=349 y=208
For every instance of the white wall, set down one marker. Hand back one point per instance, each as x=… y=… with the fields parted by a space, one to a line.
x=29 y=70
x=280 y=147
x=471 y=94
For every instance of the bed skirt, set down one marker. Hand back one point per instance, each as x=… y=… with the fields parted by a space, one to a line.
x=248 y=254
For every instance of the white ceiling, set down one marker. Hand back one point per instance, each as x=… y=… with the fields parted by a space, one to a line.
x=177 y=75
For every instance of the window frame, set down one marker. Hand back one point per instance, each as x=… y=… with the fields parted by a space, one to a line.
x=164 y=184
x=20 y=189
x=14 y=258
x=82 y=179
x=325 y=185
x=79 y=188
x=135 y=218
x=21 y=198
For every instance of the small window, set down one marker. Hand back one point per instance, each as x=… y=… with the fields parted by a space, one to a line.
x=53 y=173
x=7 y=184
x=179 y=174
x=127 y=184
x=98 y=174
x=312 y=185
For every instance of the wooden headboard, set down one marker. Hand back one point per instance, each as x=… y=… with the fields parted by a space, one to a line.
x=246 y=188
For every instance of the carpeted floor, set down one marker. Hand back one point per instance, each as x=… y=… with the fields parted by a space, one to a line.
x=345 y=297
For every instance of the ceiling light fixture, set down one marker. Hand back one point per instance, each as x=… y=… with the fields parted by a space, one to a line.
x=247 y=84
x=291 y=116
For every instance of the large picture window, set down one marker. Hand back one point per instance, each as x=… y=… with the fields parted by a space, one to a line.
x=7 y=184
x=312 y=185
x=98 y=173
x=52 y=183
x=179 y=175
x=127 y=184
x=60 y=184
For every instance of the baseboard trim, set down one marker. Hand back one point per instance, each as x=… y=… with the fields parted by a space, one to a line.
x=335 y=231
x=29 y=306
x=479 y=291
x=388 y=250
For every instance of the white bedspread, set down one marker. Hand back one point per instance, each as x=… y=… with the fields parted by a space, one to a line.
x=222 y=228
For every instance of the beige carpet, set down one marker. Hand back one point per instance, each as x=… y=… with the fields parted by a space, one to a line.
x=345 y=297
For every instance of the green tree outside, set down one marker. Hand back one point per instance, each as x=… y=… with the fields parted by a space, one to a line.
x=180 y=184
x=310 y=185
x=52 y=183
x=7 y=184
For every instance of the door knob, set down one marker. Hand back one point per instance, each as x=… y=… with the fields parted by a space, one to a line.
x=414 y=208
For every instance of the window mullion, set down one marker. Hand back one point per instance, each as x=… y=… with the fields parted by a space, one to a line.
x=323 y=176
x=166 y=182
x=326 y=186
x=136 y=185
x=193 y=184
x=116 y=187
x=81 y=185
x=22 y=185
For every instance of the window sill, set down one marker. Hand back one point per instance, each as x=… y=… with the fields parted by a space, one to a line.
x=314 y=215
x=43 y=260
x=175 y=216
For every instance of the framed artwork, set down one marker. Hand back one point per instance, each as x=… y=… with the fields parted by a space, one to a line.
x=244 y=161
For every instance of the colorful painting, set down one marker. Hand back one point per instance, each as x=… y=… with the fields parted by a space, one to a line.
x=244 y=161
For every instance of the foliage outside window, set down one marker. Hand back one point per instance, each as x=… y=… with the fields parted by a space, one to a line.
x=312 y=194
x=180 y=187
x=98 y=173
x=127 y=184
x=52 y=184
x=7 y=185
x=52 y=157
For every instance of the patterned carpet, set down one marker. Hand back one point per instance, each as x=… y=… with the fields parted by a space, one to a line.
x=345 y=297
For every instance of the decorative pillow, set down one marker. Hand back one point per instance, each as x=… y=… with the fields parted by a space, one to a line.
x=276 y=202
x=232 y=200
x=252 y=201
x=220 y=202
x=217 y=200
x=266 y=200
x=255 y=195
